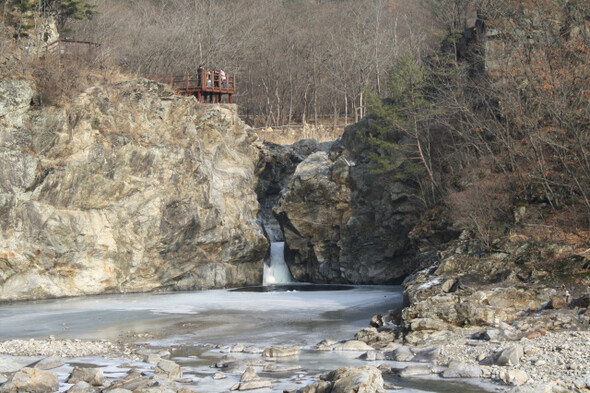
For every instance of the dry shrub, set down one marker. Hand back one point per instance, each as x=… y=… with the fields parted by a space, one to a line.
x=295 y=133
x=60 y=78
x=483 y=207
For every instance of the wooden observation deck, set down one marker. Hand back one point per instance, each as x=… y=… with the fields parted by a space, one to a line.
x=207 y=86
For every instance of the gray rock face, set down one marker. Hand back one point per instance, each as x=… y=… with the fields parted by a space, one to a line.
x=344 y=223
x=15 y=96
x=130 y=189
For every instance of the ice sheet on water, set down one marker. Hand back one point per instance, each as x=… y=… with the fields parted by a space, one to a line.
x=220 y=311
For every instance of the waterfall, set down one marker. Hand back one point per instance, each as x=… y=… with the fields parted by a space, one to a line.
x=276 y=270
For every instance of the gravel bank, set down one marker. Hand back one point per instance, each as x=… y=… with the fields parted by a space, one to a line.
x=64 y=348
x=558 y=358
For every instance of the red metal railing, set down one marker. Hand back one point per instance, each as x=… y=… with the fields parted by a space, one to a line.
x=204 y=84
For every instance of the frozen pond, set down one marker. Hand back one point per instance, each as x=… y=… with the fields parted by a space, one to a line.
x=199 y=324
x=295 y=316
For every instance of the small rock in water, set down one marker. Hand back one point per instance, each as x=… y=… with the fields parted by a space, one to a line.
x=353 y=345
x=49 y=363
x=238 y=348
x=272 y=368
x=513 y=377
x=249 y=375
x=219 y=376
x=132 y=383
x=224 y=361
x=252 y=385
x=410 y=371
x=278 y=352
x=402 y=354
x=427 y=355
x=81 y=387
x=152 y=358
x=237 y=367
x=462 y=371
x=92 y=375
x=371 y=356
x=168 y=369
x=253 y=349
x=251 y=381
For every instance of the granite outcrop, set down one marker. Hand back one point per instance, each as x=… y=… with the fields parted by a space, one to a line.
x=128 y=188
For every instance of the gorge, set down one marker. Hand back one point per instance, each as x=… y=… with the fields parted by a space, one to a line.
x=224 y=262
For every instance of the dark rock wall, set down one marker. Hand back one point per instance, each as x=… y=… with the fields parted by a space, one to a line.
x=344 y=223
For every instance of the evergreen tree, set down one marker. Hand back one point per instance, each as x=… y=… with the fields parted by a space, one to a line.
x=73 y=9
x=406 y=113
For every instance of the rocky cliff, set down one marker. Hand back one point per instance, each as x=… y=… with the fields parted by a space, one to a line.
x=129 y=188
x=345 y=223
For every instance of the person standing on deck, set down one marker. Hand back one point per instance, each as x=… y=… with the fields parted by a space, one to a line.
x=222 y=74
x=200 y=73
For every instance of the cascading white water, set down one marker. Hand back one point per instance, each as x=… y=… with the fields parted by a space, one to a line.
x=276 y=271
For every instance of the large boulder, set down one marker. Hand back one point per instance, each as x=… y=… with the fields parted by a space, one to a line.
x=128 y=189
x=32 y=381
x=274 y=169
x=365 y=379
x=345 y=223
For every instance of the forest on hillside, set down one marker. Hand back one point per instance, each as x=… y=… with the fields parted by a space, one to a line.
x=295 y=60
x=483 y=105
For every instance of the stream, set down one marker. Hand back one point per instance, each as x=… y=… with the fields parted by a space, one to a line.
x=198 y=325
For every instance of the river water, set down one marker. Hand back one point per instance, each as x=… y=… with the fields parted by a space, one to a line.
x=198 y=325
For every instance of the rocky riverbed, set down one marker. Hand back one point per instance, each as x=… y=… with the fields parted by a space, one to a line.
x=557 y=361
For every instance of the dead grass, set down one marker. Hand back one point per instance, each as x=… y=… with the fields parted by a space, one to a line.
x=290 y=135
